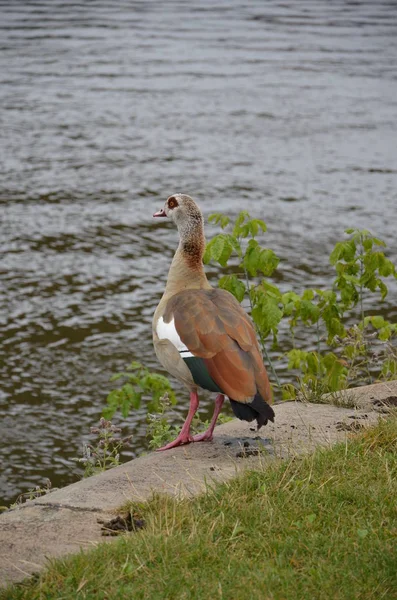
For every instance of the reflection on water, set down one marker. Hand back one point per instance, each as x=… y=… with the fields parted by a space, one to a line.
x=286 y=109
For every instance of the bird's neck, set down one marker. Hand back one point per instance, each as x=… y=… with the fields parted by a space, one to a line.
x=187 y=270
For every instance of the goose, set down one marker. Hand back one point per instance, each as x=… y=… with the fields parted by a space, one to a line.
x=202 y=336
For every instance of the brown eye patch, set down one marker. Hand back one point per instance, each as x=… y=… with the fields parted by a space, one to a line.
x=172 y=202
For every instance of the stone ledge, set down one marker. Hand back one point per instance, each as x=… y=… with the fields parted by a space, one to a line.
x=66 y=520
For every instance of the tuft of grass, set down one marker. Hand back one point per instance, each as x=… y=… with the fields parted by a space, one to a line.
x=322 y=526
x=342 y=399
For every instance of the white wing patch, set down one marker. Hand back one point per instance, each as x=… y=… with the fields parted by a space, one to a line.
x=167 y=331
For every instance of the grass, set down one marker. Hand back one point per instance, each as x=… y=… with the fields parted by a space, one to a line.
x=319 y=527
x=344 y=398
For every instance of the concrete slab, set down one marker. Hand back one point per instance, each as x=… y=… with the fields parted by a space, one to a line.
x=31 y=534
x=379 y=396
x=65 y=520
x=184 y=470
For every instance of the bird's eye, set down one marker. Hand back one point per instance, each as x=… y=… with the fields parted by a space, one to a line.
x=172 y=202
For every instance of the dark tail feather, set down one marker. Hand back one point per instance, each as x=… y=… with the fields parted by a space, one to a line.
x=257 y=409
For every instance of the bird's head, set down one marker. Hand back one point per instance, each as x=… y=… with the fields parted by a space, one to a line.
x=182 y=210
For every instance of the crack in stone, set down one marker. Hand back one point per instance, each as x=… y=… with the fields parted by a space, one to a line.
x=58 y=506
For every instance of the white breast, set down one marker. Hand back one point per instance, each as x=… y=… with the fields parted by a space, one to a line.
x=167 y=331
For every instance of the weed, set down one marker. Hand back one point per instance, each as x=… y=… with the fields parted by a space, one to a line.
x=141 y=384
x=159 y=430
x=103 y=453
x=31 y=494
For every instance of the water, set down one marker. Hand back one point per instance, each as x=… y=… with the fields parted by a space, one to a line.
x=288 y=109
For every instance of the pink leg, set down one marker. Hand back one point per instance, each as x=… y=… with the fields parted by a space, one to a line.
x=207 y=435
x=184 y=436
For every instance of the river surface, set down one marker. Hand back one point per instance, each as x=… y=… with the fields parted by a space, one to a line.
x=287 y=109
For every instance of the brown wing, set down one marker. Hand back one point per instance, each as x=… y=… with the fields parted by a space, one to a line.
x=213 y=326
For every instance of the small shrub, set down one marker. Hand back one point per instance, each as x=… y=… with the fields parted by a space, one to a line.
x=141 y=384
x=103 y=453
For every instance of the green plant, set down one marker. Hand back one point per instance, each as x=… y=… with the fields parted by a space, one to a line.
x=103 y=453
x=141 y=383
x=31 y=494
x=253 y=261
x=159 y=431
x=343 y=356
x=363 y=351
x=360 y=265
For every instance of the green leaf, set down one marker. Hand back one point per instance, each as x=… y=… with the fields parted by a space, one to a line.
x=125 y=407
x=136 y=401
x=288 y=391
x=220 y=249
x=347 y=286
x=245 y=226
x=219 y=218
x=336 y=371
x=113 y=398
x=309 y=312
x=369 y=280
x=343 y=251
x=251 y=257
x=235 y=244
x=296 y=358
x=141 y=383
x=271 y=289
x=116 y=376
x=234 y=285
x=379 y=242
x=313 y=363
x=385 y=333
x=108 y=412
x=268 y=262
x=291 y=302
x=257 y=259
x=383 y=289
x=332 y=320
x=336 y=253
x=266 y=313
x=240 y=229
x=135 y=365
x=216 y=246
x=128 y=389
x=377 y=321
x=367 y=244
x=386 y=267
x=308 y=294
x=254 y=225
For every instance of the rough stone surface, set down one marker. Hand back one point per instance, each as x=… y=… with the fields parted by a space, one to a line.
x=67 y=519
x=32 y=534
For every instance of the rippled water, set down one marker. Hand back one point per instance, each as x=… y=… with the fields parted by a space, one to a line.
x=288 y=109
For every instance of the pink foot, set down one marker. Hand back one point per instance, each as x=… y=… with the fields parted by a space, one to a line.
x=203 y=437
x=179 y=441
x=207 y=435
x=184 y=436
